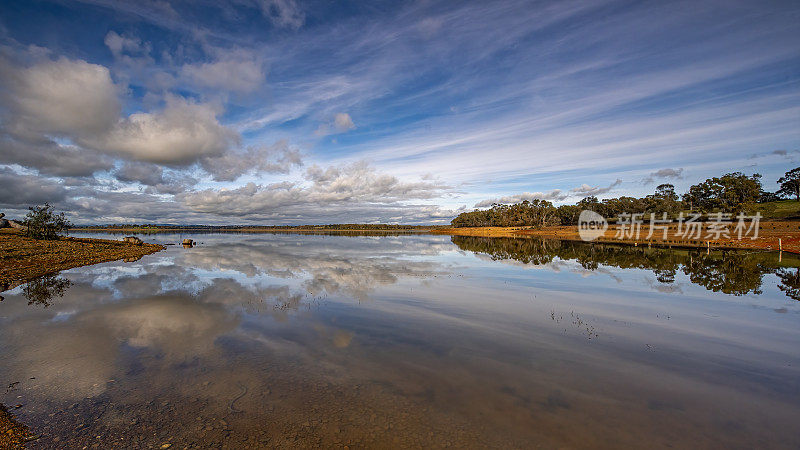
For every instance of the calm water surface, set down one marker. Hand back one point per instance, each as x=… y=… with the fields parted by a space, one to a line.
x=406 y=341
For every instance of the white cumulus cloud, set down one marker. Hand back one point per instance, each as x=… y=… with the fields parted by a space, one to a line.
x=180 y=133
x=64 y=97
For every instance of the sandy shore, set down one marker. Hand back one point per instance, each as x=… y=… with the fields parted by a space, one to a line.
x=768 y=236
x=23 y=259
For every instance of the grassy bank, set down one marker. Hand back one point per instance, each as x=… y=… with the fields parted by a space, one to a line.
x=23 y=259
x=769 y=232
x=781 y=209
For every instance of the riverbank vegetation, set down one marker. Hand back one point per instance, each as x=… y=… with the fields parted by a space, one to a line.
x=42 y=222
x=731 y=193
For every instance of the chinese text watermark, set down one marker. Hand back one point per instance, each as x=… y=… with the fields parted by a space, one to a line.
x=592 y=225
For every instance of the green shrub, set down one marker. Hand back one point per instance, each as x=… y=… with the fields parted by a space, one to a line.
x=44 y=223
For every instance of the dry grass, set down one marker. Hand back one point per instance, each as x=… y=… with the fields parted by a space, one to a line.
x=769 y=233
x=23 y=259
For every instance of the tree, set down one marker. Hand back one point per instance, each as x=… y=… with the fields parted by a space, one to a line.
x=666 y=191
x=527 y=213
x=568 y=214
x=591 y=203
x=790 y=184
x=665 y=200
x=44 y=223
x=732 y=192
x=766 y=197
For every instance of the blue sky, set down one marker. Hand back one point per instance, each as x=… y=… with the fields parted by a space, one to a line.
x=280 y=111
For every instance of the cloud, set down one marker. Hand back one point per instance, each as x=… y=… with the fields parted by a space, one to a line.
x=154 y=177
x=144 y=173
x=51 y=158
x=354 y=186
x=133 y=63
x=121 y=44
x=342 y=122
x=787 y=154
x=235 y=70
x=62 y=97
x=585 y=190
x=674 y=174
x=554 y=195
x=276 y=158
x=20 y=191
x=177 y=135
x=283 y=13
x=77 y=100
x=540 y=120
x=172 y=186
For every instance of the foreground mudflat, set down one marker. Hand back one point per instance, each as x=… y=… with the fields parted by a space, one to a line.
x=23 y=259
x=287 y=341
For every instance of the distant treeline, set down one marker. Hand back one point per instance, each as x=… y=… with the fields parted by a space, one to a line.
x=731 y=193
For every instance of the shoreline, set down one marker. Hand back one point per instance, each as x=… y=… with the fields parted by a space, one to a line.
x=23 y=259
x=773 y=236
x=13 y=433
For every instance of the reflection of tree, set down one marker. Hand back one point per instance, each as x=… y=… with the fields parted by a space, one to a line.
x=543 y=251
x=731 y=272
x=790 y=282
x=41 y=290
x=665 y=276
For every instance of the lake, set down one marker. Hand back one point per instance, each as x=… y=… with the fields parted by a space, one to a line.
x=411 y=340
